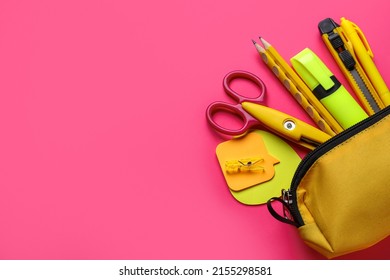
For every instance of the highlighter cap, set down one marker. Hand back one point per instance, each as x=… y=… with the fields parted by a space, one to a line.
x=335 y=98
x=312 y=70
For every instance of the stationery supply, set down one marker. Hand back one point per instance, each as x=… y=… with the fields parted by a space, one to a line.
x=344 y=54
x=238 y=151
x=256 y=187
x=297 y=88
x=339 y=195
x=328 y=89
x=253 y=164
x=254 y=115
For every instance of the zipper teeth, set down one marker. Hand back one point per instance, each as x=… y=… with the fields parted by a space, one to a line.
x=311 y=157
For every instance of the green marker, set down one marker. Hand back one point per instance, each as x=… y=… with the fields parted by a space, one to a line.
x=325 y=86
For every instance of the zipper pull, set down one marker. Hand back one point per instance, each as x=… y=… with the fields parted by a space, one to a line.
x=287 y=198
x=286 y=201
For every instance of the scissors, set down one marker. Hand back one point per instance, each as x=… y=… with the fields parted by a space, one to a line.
x=253 y=114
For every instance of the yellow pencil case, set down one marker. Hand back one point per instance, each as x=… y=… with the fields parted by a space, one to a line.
x=339 y=198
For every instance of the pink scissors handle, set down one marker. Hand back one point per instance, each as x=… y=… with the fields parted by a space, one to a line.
x=234 y=109
x=240 y=74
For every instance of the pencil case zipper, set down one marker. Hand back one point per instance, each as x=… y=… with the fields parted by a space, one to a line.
x=314 y=155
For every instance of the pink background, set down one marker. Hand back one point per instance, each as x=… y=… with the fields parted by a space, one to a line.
x=105 y=152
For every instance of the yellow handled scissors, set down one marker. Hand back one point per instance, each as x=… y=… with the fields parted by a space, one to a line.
x=254 y=114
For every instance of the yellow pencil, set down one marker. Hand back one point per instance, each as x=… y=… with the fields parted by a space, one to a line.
x=291 y=87
x=320 y=115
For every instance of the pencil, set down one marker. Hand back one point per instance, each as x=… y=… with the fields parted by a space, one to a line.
x=309 y=102
x=290 y=86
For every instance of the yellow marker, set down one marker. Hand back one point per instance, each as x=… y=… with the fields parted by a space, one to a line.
x=302 y=87
x=292 y=88
x=328 y=89
x=365 y=56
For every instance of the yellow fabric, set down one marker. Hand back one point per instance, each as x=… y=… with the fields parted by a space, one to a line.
x=344 y=197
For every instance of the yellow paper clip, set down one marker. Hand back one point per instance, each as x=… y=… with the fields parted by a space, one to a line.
x=244 y=165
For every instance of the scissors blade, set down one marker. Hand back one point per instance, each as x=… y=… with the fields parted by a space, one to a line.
x=310 y=144
x=287 y=126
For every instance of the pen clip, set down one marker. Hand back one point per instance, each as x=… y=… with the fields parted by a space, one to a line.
x=363 y=38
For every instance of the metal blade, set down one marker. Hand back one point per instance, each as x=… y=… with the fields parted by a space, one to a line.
x=367 y=94
x=310 y=142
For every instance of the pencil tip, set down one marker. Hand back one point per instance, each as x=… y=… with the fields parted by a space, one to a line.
x=258 y=47
x=265 y=43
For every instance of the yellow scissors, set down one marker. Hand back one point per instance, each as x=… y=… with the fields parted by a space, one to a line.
x=254 y=114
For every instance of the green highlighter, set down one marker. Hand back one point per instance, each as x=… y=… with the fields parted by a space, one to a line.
x=325 y=86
